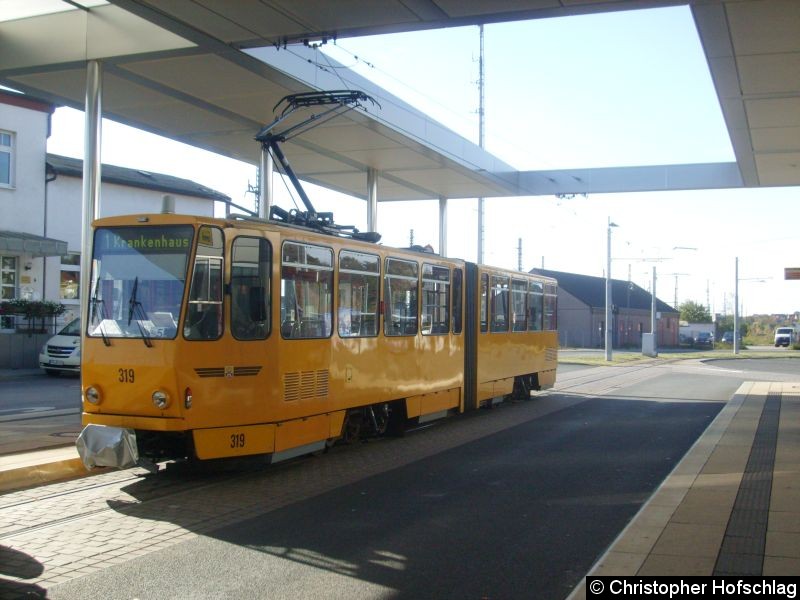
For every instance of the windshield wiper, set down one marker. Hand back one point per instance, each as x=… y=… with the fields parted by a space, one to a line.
x=95 y=301
x=132 y=301
x=133 y=304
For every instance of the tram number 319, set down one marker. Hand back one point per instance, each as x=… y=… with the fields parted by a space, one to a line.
x=237 y=440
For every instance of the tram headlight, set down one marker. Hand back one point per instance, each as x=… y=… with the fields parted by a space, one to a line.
x=160 y=399
x=92 y=395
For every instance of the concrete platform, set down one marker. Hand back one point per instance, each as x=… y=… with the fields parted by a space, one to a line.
x=29 y=469
x=731 y=506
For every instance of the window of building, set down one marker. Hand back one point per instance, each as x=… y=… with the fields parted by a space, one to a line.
x=306 y=291
x=400 y=297
x=69 y=288
x=8 y=286
x=251 y=263
x=519 y=292
x=204 y=313
x=8 y=277
x=458 y=303
x=499 y=303
x=6 y=158
x=435 y=299
x=359 y=279
x=535 y=305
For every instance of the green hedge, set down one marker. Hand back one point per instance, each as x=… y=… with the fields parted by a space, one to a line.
x=32 y=309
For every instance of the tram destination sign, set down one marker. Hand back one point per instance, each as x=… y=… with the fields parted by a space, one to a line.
x=148 y=240
x=791 y=273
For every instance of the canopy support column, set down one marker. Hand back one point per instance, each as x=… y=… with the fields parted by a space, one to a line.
x=442 y=226
x=372 y=200
x=90 y=206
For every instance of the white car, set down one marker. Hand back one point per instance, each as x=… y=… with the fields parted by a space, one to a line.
x=62 y=352
x=784 y=336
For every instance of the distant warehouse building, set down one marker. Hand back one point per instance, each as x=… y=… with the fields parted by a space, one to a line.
x=582 y=312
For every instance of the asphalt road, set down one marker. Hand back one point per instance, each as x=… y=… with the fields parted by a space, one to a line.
x=35 y=394
x=522 y=513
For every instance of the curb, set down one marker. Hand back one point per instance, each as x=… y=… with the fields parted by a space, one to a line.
x=34 y=475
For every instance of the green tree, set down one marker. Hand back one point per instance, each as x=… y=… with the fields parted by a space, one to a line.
x=725 y=323
x=692 y=312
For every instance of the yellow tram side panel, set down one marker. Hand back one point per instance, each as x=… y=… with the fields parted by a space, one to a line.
x=424 y=371
x=504 y=355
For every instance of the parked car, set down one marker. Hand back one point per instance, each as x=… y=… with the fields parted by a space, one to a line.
x=727 y=337
x=704 y=340
x=62 y=352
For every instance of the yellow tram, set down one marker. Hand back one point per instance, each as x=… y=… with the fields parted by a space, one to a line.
x=212 y=338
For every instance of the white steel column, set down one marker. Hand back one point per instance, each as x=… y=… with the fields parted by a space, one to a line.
x=266 y=168
x=372 y=200
x=442 y=226
x=90 y=206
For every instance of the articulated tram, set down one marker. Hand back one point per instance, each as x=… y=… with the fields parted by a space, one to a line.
x=211 y=338
x=214 y=338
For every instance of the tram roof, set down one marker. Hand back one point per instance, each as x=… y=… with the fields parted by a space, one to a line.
x=190 y=70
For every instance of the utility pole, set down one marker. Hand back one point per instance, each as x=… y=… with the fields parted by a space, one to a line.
x=481 y=141
x=519 y=255
x=411 y=238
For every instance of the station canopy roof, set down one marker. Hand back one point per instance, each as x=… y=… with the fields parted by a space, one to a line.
x=199 y=71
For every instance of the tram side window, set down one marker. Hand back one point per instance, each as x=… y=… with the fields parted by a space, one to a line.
x=499 y=303
x=359 y=278
x=484 y=303
x=435 y=299
x=550 y=306
x=519 y=291
x=204 y=313
x=251 y=260
x=306 y=291
x=535 y=305
x=400 y=297
x=458 y=306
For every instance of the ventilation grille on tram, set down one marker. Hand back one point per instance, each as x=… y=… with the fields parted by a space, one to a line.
x=304 y=385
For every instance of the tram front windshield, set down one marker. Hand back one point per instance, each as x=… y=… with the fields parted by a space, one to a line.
x=138 y=278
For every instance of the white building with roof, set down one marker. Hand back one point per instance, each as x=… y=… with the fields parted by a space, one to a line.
x=40 y=217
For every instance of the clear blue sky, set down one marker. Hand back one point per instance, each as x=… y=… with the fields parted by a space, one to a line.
x=628 y=88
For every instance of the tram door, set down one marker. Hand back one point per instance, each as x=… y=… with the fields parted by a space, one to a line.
x=203 y=319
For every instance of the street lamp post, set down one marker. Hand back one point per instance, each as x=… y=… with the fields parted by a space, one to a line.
x=736 y=309
x=653 y=320
x=608 y=292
